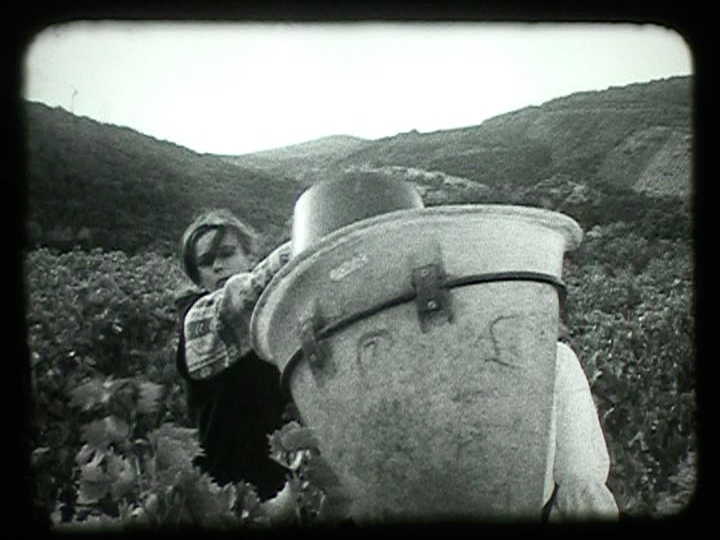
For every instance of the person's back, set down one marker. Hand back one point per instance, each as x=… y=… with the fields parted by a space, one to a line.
x=578 y=462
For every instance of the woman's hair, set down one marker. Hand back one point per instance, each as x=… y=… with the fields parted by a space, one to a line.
x=214 y=219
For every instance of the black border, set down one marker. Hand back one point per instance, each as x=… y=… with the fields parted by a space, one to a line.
x=24 y=20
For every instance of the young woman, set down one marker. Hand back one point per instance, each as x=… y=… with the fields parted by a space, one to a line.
x=234 y=397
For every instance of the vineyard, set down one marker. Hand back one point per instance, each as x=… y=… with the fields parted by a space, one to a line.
x=113 y=446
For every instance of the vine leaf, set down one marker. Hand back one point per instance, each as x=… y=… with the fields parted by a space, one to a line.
x=90 y=394
x=337 y=502
x=149 y=397
x=101 y=433
x=248 y=505
x=288 y=440
x=95 y=483
x=314 y=482
x=123 y=475
x=175 y=449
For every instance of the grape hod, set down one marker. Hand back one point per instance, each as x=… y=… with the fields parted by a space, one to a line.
x=419 y=345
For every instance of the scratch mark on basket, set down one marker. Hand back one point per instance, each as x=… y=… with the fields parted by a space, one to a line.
x=496 y=357
x=372 y=347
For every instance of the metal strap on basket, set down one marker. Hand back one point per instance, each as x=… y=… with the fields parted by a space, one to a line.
x=430 y=292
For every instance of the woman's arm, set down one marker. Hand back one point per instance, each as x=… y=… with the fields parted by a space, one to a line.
x=216 y=328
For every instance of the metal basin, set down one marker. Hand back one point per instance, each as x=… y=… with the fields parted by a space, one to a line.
x=330 y=205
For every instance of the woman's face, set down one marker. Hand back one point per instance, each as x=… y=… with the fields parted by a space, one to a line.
x=219 y=257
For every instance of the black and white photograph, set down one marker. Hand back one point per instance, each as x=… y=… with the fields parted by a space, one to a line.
x=295 y=274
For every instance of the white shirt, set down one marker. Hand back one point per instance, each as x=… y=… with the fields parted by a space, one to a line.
x=578 y=460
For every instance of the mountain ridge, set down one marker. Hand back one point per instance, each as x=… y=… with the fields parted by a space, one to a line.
x=111 y=186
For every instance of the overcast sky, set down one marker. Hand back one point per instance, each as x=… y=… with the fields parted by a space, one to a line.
x=238 y=88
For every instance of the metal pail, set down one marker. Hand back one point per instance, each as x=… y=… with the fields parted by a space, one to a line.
x=420 y=347
x=332 y=204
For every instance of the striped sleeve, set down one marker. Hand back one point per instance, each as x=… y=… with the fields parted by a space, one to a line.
x=217 y=327
x=208 y=349
x=268 y=267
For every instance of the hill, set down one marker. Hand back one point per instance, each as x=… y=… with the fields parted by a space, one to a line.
x=586 y=154
x=116 y=188
x=302 y=161
x=637 y=137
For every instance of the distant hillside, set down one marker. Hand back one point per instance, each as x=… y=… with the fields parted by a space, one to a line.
x=599 y=156
x=636 y=137
x=300 y=161
x=111 y=186
x=333 y=146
